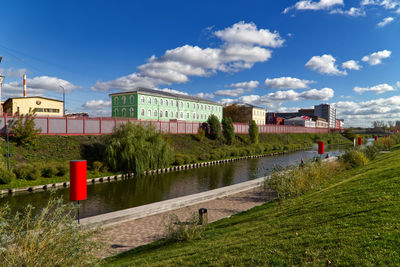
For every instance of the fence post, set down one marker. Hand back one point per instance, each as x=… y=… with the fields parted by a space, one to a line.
x=48 y=125
x=100 y=125
x=66 y=125
x=84 y=125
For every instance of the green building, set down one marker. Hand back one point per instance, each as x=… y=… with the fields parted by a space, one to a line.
x=149 y=104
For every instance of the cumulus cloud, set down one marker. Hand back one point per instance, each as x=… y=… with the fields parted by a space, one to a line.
x=96 y=104
x=38 y=86
x=376 y=57
x=385 y=22
x=311 y=5
x=379 y=89
x=243 y=46
x=324 y=64
x=398 y=84
x=169 y=90
x=11 y=72
x=353 y=12
x=247 y=33
x=205 y=95
x=314 y=94
x=351 y=65
x=387 y=4
x=287 y=83
x=250 y=84
x=230 y=92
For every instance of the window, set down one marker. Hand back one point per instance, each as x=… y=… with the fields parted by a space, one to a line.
x=197 y=115
x=177 y=105
x=181 y=114
x=166 y=102
x=142 y=112
x=161 y=113
x=181 y=104
x=115 y=112
x=194 y=105
x=155 y=113
x=155 y=101
x=197 y=106
x=166 y=114
x=131 y=112
x=149 y=113
x=187 y=104
x=161 y=102
x=212 y=108
x=116 y=100
x=142 y=100
x=194 y=116
x=187 y=115
x=201 y=106
x=149 y=100
x=172 y=103
x=124 y=100
x=209 y=107
x=123 y=112
x=131 y=99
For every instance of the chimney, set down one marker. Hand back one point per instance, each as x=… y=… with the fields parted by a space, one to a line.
x=24 y=86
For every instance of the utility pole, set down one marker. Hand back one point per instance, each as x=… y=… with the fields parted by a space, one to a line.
x=63 y=100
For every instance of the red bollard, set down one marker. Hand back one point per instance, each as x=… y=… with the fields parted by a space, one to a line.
x=376 y=137
x=321 y=147
x=359 y=141
x=78 y=184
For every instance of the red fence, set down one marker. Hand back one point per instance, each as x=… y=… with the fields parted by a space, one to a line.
x=97 y=126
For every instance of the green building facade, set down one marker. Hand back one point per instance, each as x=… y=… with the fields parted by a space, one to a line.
x=149 y=104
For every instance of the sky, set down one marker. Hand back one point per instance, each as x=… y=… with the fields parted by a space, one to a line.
x=280 y=55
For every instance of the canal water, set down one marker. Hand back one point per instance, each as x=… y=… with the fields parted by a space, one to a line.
x=112 y=196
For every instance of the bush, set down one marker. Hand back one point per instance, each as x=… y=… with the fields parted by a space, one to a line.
x=179 y=159
x=201 y=134
x=353 y=158
x=33 y=173
x=134 y=148
x=21 y=170
x=6 y=176
x=253 y=132
x=49 y=171
x=97 y=166
x=178 y=230
x=24 y=131
x=349 y=134
x=214 y=127
x=228 y=130
x=50 y=237
x=61 y=170
x=371 y=152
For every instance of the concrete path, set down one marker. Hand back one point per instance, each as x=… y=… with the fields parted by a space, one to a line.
x=126 y=235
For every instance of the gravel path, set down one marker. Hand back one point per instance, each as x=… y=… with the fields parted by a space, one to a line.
x=127 y=235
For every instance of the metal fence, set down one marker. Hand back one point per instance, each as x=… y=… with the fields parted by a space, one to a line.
x=98 y=126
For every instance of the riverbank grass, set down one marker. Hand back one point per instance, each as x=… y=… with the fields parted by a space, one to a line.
x=352 y=220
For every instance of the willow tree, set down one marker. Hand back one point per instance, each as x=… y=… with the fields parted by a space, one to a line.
x=135 y=148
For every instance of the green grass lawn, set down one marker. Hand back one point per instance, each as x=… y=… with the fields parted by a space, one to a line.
x=353 y=220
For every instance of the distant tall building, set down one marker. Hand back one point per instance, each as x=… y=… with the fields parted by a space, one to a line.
x=327 y=112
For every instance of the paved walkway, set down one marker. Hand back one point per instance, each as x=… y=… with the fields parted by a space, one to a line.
x=127 y=235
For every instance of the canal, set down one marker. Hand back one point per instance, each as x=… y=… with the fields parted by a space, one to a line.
x=112 y=196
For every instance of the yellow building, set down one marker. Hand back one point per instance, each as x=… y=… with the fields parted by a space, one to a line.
x=42 y=106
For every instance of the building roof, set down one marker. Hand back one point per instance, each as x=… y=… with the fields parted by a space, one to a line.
x=251 y=106
x=168 y=94
x=12 y=98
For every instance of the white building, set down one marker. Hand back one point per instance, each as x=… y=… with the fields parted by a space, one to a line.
x=301 y=121
x=327 y=112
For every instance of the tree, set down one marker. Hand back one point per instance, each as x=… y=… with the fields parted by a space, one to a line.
x=24 y=131
x=214 y=127
x=134 y=148
x=238 y=113
x=228 y=130
x=253 y=132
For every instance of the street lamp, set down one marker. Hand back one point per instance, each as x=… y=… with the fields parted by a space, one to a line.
x=63 y=100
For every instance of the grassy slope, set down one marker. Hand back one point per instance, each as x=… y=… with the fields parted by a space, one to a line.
x=65 y=148
x=352 y=221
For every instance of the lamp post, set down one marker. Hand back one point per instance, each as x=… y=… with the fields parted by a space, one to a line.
x=1 y=82
x=63 y=100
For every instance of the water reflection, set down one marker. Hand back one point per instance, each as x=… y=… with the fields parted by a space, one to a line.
x=107 y=197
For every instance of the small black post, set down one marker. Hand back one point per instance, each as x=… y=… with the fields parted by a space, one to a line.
x=203 y=218
x=78 y=212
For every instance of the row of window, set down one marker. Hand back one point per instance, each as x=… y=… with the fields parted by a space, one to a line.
x=167 y=102
x=49 y=110
x=166 y=114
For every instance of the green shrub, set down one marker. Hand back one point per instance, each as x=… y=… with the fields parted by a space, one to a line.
x=179 y=159
x=61 y=170
x=253 y=132
x=201 y=134
x=6 y=176
x=371 y=152
x=49 y=170
x=97 y=166
x=228 y=130
x=353 y=158
x=49 y=237
x=21 y=171
x=33 y=173
x=24 y=131
x=178 y=230
x=134 y=148
x=214 y=127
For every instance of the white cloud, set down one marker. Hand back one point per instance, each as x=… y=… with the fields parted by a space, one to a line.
x=250 y=84
x=205 y=95
x=398 y=84
x=379 y=89
x=247 y=33
x=230 y=92
x=169 y=90
x=314 y=94
x=38 y=86
x=287 y=83
x=353 y=12
x=324 y=64
x=96 y=104
x=351 y=65
x=376 y=57
x=387 y=4
x=13 y=73
x=385 y=22
x=243 y=46
x=310 y=5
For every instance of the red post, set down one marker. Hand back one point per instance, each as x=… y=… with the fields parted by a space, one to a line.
x=77 y=176
x=66 y=125
x=84 y=126
x=100 y=126
x=321 y=147
x=376 y=137
x=359 y=141
x=48 y=125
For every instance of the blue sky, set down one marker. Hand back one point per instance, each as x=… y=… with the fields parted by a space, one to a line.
x=281 y=55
